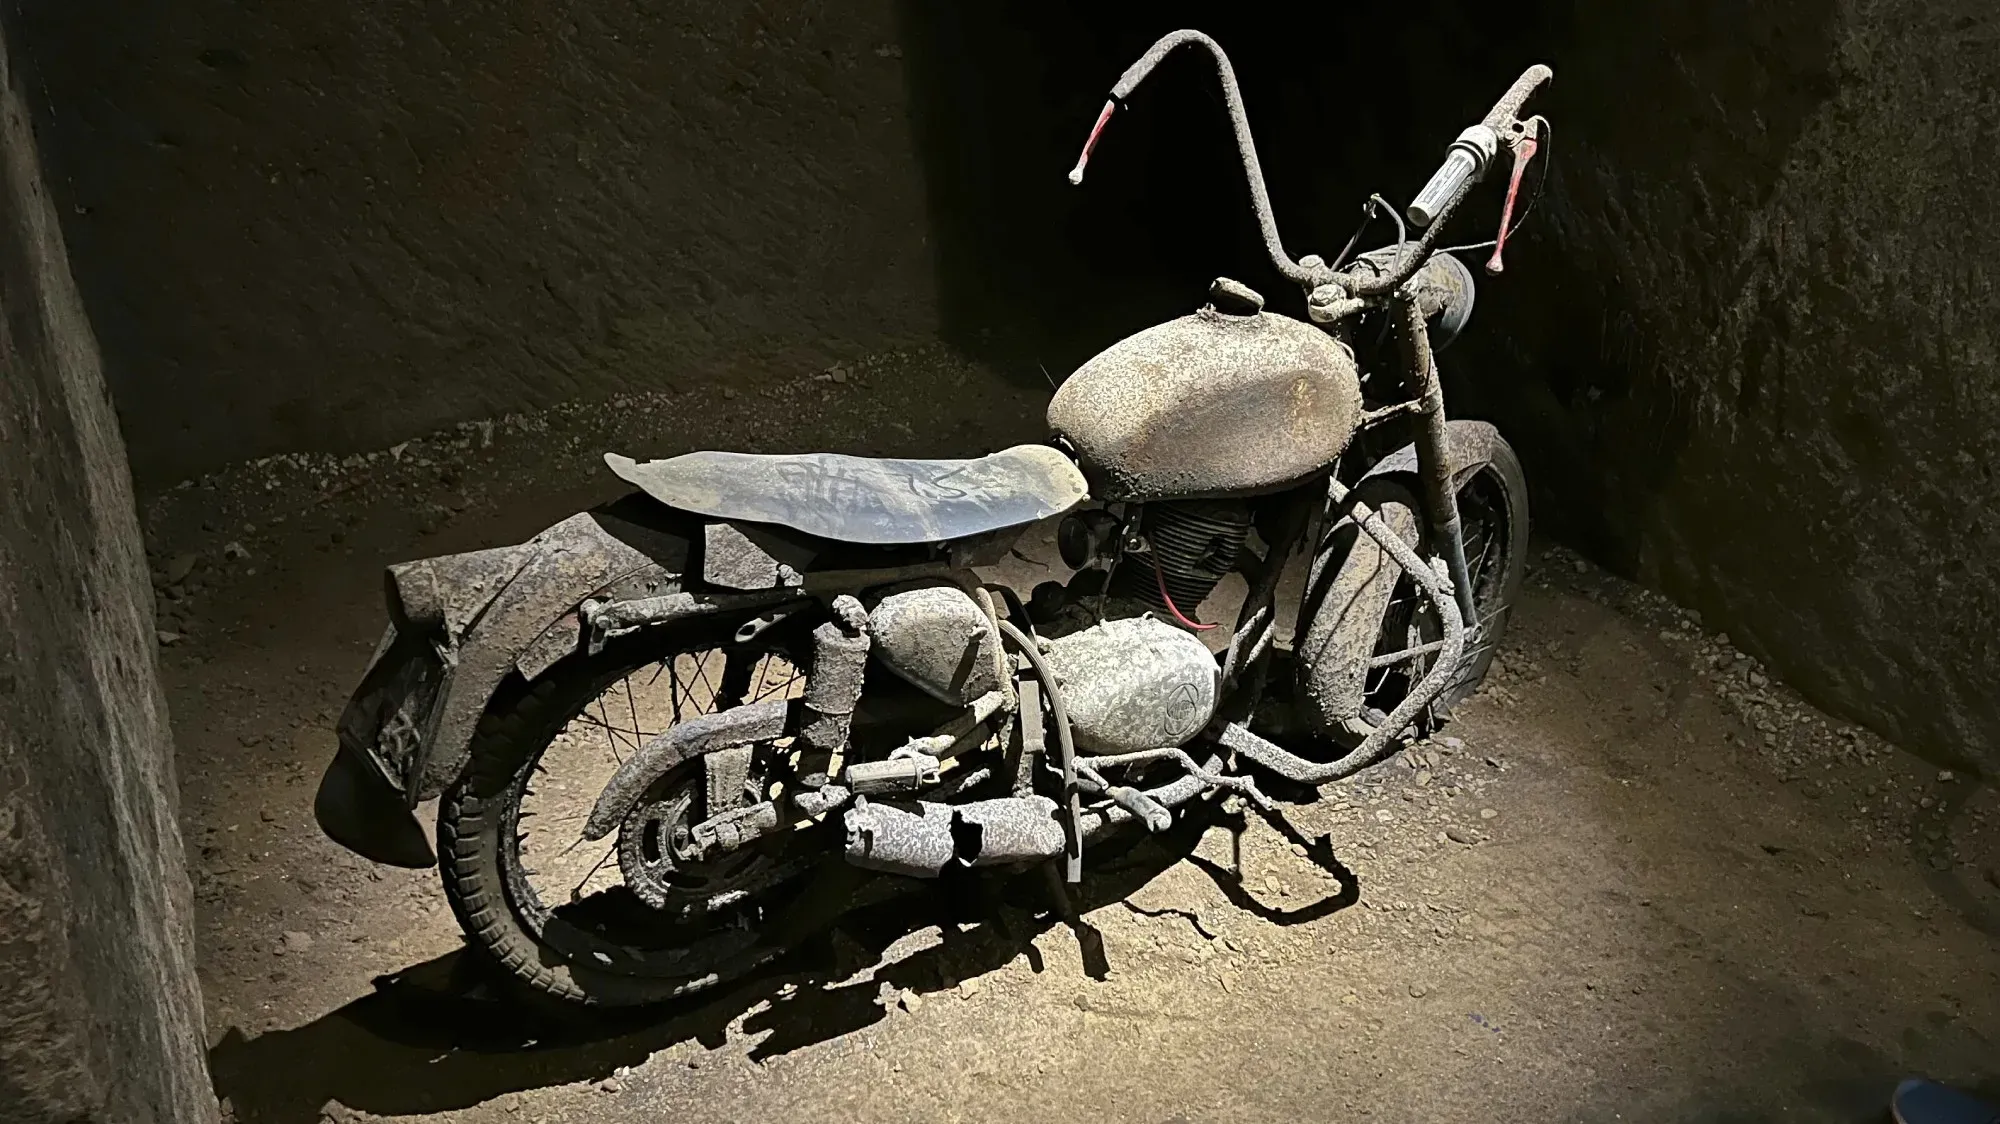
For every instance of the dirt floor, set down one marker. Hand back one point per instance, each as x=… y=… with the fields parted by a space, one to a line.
x=1635 y=881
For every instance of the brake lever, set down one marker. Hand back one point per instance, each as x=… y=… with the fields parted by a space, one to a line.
x=1525 y=146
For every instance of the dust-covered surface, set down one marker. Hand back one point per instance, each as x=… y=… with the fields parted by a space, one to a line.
x=1638 y=879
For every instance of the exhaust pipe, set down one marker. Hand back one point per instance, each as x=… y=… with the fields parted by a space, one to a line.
x=920 y=843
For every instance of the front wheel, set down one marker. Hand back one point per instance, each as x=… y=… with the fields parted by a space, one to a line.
x=1365 y=642
x=1493 y=510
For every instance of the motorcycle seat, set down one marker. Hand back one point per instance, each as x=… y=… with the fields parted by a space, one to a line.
x=880 y=502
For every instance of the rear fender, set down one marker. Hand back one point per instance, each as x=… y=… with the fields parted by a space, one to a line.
x=459 y=625
x=631 y=548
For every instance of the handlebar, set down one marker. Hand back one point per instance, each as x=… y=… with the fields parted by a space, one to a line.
x=1464 y=163
x=1260 y=199
x=1474 y=150
x=1508 y=108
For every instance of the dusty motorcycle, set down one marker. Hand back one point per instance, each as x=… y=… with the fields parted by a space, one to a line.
x=660 y=729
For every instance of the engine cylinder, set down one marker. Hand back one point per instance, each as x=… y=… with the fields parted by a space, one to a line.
x=1195 y=544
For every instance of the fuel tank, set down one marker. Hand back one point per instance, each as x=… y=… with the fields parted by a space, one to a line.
x=1213 y=404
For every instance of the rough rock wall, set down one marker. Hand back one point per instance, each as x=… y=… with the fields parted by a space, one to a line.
x=329 y=227
x=100 y=1017
x=1764 y=372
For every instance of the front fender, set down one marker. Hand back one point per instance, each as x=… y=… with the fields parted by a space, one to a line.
x=1468 y=444
x=1351 y=580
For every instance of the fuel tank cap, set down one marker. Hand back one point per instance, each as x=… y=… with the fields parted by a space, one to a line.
x=1234 y=297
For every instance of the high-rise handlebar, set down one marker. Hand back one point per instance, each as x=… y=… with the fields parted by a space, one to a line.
x=1464 y=164
x=1260 y=200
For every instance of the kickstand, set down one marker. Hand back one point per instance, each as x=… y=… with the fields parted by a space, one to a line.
x=1089 y=942
x=1059 y=893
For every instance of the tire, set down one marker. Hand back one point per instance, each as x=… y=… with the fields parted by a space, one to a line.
x=488 y=885
x=1493 y=502
x=1495 y=479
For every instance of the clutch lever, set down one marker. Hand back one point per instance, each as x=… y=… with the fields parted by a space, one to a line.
x=1525 y=144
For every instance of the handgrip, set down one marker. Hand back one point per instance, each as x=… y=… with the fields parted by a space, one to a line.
x=1459 y=167
x=1474 y=148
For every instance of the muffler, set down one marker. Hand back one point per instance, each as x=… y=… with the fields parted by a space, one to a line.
x=920 y=842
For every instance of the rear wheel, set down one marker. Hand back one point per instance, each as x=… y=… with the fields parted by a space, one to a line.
x=641 y=916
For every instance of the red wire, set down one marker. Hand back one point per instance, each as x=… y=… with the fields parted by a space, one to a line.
x=1161 y=576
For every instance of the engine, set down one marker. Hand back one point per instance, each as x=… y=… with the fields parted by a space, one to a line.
x=1194 y=544
x=1128 y=684
x=1132 y=684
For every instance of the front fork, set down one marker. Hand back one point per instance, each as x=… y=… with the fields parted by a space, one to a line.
x=1420 y=377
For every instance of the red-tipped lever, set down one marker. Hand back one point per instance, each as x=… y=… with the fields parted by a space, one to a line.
x=1524 y=151
x=1076 y=173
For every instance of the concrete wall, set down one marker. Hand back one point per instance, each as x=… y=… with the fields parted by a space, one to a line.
x=100 y=1019
x=333 y=226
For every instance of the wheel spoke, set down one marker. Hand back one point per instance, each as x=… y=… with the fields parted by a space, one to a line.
x=768 y=688
x=570 y=770
x=701 y=668
x=632 y=708
x=610 y=734
x=576 y=892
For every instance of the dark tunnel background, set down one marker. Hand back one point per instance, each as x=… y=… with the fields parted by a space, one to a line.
x=1744 y=344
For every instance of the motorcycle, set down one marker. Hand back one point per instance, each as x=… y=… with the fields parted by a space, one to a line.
x=663 y=730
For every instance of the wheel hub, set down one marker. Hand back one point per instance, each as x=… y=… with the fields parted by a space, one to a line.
x=665 y=868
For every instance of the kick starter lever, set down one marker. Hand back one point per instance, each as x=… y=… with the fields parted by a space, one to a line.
x=1524 y=146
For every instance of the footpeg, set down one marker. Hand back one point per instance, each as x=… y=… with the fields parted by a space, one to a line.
x=904 y=771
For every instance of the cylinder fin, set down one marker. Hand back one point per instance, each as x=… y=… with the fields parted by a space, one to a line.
x=1194 y=542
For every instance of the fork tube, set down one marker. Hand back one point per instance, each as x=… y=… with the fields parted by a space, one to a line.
x=1433 y=453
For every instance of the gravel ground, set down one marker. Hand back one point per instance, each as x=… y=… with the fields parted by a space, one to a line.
x=1637 y=879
